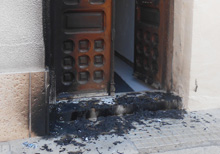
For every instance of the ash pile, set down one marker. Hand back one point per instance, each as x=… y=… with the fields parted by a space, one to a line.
x=88 y=118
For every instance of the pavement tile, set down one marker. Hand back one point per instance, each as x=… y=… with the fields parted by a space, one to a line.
x=160 y=141
x=153 y=138
x=5 y=148
x=144 y=144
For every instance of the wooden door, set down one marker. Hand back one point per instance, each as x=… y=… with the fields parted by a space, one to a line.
x=151 y=26
x=82 y=45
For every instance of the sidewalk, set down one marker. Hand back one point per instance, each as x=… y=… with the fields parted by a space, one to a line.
x=197 y=132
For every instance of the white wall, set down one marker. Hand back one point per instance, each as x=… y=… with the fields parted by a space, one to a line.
x=21 y=38
x=205 y=63
x=124 y=40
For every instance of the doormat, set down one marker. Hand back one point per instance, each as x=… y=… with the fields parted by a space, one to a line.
x=121 y=85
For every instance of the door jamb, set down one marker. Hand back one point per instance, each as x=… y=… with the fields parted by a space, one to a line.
x=112 y=82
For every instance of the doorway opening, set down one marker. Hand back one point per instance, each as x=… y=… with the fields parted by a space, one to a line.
x=141 y=44
x=124 y=49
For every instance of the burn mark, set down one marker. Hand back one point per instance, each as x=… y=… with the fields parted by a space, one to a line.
x=196 y=86
x=46 y=148
x=67 y=140
x=97 y=149
x=112 y=125
x=117 y=142
x=77 y=152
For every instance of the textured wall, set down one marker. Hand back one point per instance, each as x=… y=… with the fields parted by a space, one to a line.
x=14 y=105
x=182 y=47
x=195 y=74
x=124 y=40
x=205 y=63
x=21 y=51
x=21 y=41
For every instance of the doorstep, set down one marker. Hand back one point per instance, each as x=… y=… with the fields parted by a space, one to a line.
x=120 y=104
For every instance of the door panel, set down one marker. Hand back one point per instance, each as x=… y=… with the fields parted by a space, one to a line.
x=82 y=45
x=150 y=35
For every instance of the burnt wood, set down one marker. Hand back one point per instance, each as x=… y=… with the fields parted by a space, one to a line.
x=81 y=44
x=151 y=29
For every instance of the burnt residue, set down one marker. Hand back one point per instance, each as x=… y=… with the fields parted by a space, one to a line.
x=119 y=152
x=77 y=152
x=117 y=142
x=62 y=150
x=82 y=132
x=88 y=130
x=46 y=148
x=75 y=118
x=67 y=140
x=38 y=108
x=122 y=105
x=196 y=85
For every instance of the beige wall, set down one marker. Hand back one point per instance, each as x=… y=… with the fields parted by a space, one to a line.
x=196 y=53
x=205 y=63
x=18 y=94
x=21 y=37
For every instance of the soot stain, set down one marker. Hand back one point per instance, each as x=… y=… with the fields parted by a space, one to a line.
x=67 y=140
x=117 y=142
x=89 y=131
x=112 y=125
x=77 y=152
x=131 y=103
x=46 y=148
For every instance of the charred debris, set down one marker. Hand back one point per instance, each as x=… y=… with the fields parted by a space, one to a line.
x=89 y=118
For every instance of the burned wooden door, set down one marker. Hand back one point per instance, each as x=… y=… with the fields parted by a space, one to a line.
x=151 y=26
x=82 y=45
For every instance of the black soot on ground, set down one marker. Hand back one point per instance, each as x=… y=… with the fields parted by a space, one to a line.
x=62 y=123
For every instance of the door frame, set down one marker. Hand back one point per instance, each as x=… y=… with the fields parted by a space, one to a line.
x=49 y=55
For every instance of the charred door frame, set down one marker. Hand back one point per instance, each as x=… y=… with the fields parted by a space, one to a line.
x=49 y=55
x=164 y=75
x=167 y=79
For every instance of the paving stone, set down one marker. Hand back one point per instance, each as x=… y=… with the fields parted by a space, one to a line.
x=160 y=141
x=5 y=148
